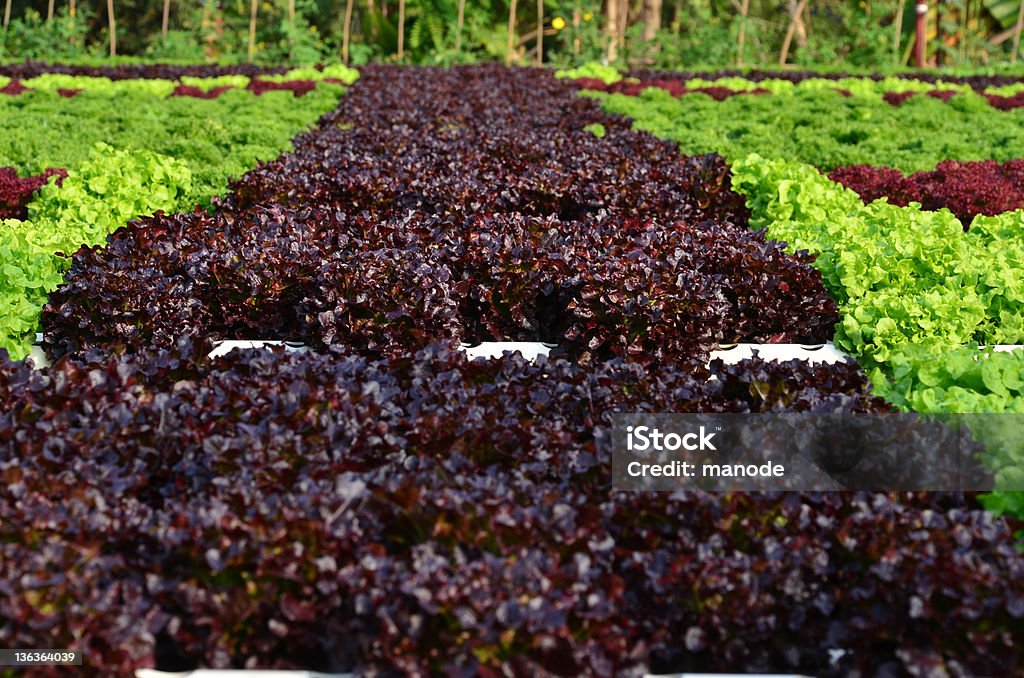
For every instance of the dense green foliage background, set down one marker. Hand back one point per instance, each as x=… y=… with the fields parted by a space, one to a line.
x=658 y=33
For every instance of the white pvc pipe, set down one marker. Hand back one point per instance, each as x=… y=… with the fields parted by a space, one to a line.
x=235 y=673
x=730 y=354
x=495 y=349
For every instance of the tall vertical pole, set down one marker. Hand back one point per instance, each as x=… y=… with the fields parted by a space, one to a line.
x=112 y=26
x=166 y=19
x=540 y=33
x=511 y=32
x=898 y=24
x=623 y=24
x=458 y=25
x=291 y=25
x=791 y=31
x=613 y=8
x=346 y=32
x=1016 y=32
x=744 y=10
x=253 y=8
x=576 y=41
x=921 y=9
x=401 y=29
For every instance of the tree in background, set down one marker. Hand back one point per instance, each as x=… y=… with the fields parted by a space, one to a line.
x=654 y=33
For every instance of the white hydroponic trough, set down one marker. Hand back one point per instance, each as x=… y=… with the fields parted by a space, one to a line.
x=531 y=350
x=237 y=673
x=729 y=353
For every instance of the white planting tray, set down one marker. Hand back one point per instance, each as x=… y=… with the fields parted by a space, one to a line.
x=38 y=357
x=820 y=353
x=729 y=353
x=235 y=673
x=225 y=347
x=226 y=673
x=495 y=349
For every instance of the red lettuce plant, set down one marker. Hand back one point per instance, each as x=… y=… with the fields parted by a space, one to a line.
x=967 y=189
x=297 y=87
x=182 y=90
x=13 y=88
x=16 y=192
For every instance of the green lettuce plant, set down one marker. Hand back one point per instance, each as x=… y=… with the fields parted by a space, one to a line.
x=28 y=273
x=217 y=138
x=902 y=276
x=107 y=190
x=814 y=124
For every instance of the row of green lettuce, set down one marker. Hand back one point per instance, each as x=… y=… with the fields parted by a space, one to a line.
x=107 y=190
x=855 y=85
x=163 y=87
x=129 y=152
x=817 y=125
x=922 y=301
x=903 y=277
x=216 y=138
